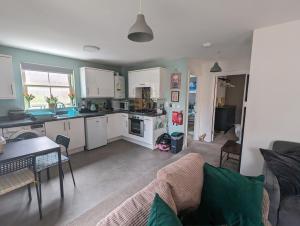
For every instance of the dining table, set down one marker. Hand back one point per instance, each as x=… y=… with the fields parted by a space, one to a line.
x=33 y=147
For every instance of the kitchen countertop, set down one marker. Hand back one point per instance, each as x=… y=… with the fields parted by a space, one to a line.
x=5 y=122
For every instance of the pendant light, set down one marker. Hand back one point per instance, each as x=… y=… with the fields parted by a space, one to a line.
x=216 y=67
x=140 y=31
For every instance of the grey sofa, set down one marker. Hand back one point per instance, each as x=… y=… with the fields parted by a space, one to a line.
x=284 y=212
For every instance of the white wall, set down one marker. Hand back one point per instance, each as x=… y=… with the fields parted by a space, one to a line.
x=205 y=90
x=273 y=109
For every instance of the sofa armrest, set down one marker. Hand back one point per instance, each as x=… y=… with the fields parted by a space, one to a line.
x=272 y=187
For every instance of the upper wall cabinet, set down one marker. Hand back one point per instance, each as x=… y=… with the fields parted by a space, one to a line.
x=154 y=78
x=7 y=84
x=96 y=83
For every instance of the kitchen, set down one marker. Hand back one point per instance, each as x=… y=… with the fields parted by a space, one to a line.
x=139 y=119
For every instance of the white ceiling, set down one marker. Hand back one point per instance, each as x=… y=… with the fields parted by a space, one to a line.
x=62 y=27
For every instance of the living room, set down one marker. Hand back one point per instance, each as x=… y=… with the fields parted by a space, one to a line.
x=61 y=63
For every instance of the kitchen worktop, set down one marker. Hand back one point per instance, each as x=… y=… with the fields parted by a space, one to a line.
x=5 y=122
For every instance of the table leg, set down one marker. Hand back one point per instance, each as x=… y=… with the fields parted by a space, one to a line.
x=60 y=174
x=221 y=158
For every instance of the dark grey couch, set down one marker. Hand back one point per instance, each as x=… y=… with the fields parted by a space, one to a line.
x=284 y=212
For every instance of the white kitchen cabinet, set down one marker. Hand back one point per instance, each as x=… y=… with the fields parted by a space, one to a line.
x=113 y=126
x=119 y=87
x=154 y=78
x=7 y=84
x=148 y=130
x=55 y=128
x=124 y=125
x=96 y=83
x=72 y=128
x=76 y=133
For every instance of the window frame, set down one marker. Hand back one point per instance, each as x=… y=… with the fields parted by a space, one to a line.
x=71 y=85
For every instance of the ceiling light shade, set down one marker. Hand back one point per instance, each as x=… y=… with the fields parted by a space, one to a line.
x=140 y=31
x=216 y=68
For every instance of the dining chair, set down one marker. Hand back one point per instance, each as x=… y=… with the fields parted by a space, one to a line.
x=45 y=162
x=18 y=173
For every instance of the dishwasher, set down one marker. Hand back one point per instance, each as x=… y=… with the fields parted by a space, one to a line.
x=96 y=132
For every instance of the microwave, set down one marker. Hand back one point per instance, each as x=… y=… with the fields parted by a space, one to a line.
x=124 y=105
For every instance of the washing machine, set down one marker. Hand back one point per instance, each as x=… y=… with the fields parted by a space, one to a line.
x=14 y=134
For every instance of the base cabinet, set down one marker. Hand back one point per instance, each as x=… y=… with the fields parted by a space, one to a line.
x=113 y=126
x=72 y=128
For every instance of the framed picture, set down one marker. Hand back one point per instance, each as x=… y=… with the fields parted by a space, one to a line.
x=175 y=80
x=175 y=96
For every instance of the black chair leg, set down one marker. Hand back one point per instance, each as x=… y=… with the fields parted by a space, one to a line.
x=29 y=192
x=39 y=198
x=72 y=172
x=40 y=185
x=48 y=173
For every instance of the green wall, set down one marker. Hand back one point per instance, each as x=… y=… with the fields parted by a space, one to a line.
x=179 y=65
x=19 y=56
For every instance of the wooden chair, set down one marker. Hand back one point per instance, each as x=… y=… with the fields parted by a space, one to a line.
x=18 y=173
x=44 y=162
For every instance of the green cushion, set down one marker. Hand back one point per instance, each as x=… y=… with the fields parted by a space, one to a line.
x=161 y=214
x=230 y=198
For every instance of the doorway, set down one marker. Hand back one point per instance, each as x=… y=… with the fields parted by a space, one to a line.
x=229 y=116
x=229 y=107
x=192 y=93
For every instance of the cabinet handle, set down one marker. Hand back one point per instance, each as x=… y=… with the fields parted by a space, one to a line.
x=98 y=91
x=88 y=91
x=69 y=125
x=64 y=126
x=11 y=88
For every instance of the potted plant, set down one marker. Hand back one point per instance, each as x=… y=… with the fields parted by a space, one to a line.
x=72 y=97
x=28 y=97
x=52 y=101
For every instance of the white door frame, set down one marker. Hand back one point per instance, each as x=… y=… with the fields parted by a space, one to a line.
x=215 y=97
x=186 y=113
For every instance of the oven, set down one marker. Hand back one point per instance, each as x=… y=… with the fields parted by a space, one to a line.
x=136 y=125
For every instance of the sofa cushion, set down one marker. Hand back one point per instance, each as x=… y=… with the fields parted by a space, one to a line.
x=286 y=168
x=230 y=198
x=136 y=209
x=191 y=217
x=161 y=214
x=289 y=213
x=185 y=177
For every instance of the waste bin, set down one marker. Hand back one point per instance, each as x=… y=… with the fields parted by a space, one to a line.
x=176 y=142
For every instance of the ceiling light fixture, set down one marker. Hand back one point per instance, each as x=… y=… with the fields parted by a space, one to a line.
x=140 y=31
x=91 y=48
x=216 y=67
x=206 y=44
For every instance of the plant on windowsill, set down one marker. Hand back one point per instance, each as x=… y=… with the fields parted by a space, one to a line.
x=72 y=97
x=52 y=101
x=28 y=97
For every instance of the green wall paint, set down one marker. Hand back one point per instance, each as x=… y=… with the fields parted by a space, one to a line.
x=19 y=56
x=180 y=65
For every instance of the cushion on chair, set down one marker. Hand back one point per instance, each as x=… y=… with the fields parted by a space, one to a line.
x=185 y=177
x=15 y=180
x=48 y=160
x=136 y=209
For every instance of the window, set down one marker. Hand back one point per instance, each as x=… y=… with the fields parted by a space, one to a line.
x=42 y=84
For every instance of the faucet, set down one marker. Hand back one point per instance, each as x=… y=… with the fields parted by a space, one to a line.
x=60 y=105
